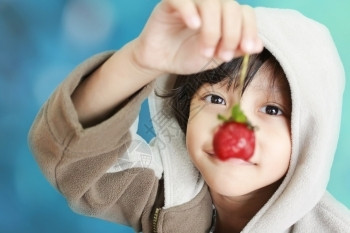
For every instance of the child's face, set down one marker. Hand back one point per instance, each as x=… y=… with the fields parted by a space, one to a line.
x=266 y=102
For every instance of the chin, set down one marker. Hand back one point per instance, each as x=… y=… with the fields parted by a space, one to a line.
x=227 y=187
x=229 y=192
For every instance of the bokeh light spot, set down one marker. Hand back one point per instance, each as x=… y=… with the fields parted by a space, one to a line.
x=88 y=22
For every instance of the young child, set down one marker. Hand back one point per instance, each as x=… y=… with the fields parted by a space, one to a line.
x=85 y=140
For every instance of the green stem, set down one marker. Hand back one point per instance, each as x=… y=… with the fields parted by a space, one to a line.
x=243 y=74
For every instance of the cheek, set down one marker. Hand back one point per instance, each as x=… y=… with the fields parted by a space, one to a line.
x=190 y=140
x=281 y=153
x=274 y=147
x=285 y=143
x=199 y=134
x=194 y=136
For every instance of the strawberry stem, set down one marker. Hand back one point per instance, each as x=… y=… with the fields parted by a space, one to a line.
x=244 y=69
x=222 y=118
x=238 y=115
x=243 y=74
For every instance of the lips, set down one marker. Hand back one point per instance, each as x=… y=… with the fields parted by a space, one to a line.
x=233 y=161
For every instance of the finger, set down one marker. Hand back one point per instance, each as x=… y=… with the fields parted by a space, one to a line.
x=210 y=12
x=231 y=29
x=236 y=53
x=187 y=11
x=250 y=42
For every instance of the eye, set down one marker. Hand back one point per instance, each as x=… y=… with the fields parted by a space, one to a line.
x=214 y=99
x=271 y=110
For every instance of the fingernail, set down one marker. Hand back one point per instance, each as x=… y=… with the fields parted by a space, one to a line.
x=208 y=52
x=226 y=55
x=248 y=45
x=195 y=22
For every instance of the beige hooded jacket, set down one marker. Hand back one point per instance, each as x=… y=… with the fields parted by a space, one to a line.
x=109 y=172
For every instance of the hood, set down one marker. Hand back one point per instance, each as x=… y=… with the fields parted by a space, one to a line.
x=307 y=54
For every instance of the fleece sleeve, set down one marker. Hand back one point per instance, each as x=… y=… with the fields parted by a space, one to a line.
x=76 y=160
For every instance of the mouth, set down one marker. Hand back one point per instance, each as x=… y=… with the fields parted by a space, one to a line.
x=233 y=161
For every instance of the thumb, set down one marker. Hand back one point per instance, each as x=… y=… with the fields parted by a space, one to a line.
x=187 y=11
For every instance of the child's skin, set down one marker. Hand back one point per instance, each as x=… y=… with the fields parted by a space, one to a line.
x=240 y=188
x=180 y=37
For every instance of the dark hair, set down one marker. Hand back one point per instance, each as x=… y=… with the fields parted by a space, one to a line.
x=186 y=85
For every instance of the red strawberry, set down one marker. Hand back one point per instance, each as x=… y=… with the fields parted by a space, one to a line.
x=235 y=138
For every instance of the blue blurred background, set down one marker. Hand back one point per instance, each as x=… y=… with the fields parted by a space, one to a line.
x=41 y=41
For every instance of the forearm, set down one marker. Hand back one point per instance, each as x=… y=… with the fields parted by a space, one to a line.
x=97 y=97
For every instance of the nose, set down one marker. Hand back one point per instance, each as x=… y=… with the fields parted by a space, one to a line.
x=219 y=120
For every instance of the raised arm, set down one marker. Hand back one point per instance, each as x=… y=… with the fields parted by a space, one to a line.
x=179 y=37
